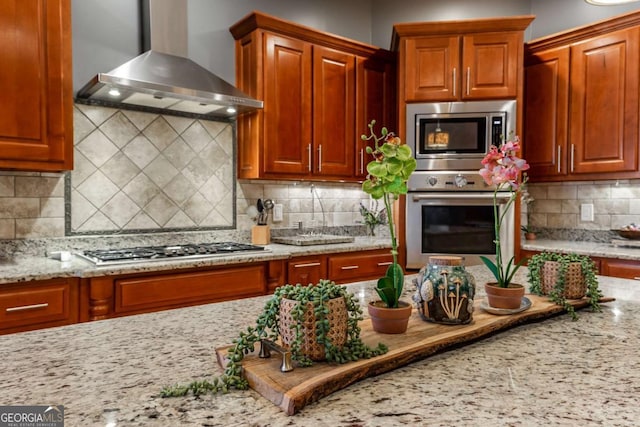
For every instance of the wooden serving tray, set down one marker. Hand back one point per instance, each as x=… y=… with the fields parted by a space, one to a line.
x=291 y=391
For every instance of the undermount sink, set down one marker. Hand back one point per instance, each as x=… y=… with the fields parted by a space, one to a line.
x=312 y=239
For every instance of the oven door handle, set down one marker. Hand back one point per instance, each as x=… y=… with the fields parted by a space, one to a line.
x=502 y=198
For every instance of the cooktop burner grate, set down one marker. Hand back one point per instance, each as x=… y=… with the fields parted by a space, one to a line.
x=162 y=253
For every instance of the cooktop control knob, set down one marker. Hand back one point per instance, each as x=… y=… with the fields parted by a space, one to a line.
x=432 y=180
x=460 y=181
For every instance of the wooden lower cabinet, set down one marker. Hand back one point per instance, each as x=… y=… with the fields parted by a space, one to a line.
x=38 y=305
x=115 y=296
x=341 y=268
x=360 y=266
x=626 y=269
x=307 y=270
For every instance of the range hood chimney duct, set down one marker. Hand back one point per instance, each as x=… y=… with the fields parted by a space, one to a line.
x=164 y=77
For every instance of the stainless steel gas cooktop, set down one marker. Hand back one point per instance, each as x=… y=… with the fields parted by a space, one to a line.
x=164 y=253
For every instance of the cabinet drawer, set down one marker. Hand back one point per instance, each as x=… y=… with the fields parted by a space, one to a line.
x=23 y=306
x=622 y=268
x=349 y=267
x=167 y=291
x=306 y=270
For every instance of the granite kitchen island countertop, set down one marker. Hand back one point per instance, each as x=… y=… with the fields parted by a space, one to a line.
x=553 y=373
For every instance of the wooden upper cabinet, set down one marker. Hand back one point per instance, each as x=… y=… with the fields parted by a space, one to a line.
x=604 y=103
x=490 y=64
x=334 y=99
x=310 y=82
x=432 y=69
x=287 y=105
x=460 y=60
x=546 y=112
x=376 y=100
x=581 y=103
x=36 y=99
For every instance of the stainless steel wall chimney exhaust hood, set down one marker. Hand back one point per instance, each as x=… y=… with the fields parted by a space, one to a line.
x=164 y=77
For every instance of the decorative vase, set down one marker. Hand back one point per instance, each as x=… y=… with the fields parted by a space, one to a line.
x=389 y=320
x=445 y=291
x=508 y=298
x=530 y=236
x=310 y=347
x=575 y=286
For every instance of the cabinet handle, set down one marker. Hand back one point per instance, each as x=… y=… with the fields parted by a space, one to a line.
x=573 y=153
x=350 y=267
x=636 y=278
x=558 y=159
x=309 y=264
x=454 y=81
x=468 y=79
x=309 y=150
x=382 y=264
x=27 y=307
x=361 y=161
x=320 y=158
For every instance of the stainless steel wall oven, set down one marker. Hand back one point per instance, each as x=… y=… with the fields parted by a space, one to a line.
x=451 y=213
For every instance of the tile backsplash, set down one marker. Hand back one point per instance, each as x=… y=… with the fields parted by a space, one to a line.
x=557 y=205
x=137 y=171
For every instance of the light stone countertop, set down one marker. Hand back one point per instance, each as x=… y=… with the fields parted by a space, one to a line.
x=23 y=268
x=583 y=248
x=553 y=373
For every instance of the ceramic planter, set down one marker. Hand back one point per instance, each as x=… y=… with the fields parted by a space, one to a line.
x=389 y=320
x=508 y=298
x=337 y=317
x=445 y=291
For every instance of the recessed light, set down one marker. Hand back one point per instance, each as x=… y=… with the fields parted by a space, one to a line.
x=114 y=91
x=609 y=2
x=231 y=110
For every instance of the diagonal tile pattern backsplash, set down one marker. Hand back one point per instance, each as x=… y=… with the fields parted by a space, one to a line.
x=136 y=171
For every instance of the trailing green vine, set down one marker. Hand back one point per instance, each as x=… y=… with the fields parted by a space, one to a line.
x=267 y=327
x=587 y=267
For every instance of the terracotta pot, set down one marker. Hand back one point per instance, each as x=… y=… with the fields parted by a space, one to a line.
x=530 y=236
x=509 y=298
x=389 y=320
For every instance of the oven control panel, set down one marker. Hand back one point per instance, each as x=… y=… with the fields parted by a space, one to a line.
x=447 y=181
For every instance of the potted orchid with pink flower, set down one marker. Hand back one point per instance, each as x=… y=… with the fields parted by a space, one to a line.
x=503 y=170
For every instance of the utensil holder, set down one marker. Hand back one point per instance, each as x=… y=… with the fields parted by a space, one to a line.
x=261 y=234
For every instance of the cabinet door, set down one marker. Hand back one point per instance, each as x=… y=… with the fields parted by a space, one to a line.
x=604 y=103
x=27 y=306
x=546 y=112
x=334 y=98
x=287 y=105
x=162 y=291
x=432 y=68
x=627 y=269
x=376 y=101
x=359 y=266
x=307 y=270
x=36 y=104
x=490 y=65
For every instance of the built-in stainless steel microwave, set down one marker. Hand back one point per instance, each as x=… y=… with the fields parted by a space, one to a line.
x=455 y=136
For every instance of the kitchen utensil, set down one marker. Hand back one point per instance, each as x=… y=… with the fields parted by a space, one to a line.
x=262 y=215
x=268 y=204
